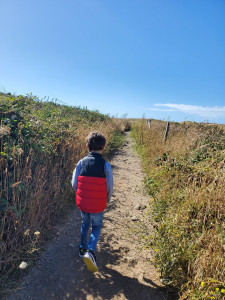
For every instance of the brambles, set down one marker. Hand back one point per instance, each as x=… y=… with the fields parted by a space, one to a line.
x=186 y=177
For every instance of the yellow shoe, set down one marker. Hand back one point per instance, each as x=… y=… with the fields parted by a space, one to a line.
x=90 y=261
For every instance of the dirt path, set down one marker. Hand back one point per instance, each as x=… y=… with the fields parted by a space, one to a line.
x=123 y=273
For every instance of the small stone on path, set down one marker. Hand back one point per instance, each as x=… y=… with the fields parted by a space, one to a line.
x=134 y=218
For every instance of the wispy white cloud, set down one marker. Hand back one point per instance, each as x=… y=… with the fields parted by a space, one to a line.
x=159 y=109
x=202 y=111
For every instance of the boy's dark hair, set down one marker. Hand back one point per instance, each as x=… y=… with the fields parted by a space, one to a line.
x=95 y=141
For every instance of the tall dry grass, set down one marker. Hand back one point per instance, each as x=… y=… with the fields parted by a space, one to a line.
x=40 y=144
x=185 y=175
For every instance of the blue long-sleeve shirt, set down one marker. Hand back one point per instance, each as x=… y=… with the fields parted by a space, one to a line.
x=108 y=173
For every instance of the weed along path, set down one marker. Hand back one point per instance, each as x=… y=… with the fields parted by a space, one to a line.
x=124 y=268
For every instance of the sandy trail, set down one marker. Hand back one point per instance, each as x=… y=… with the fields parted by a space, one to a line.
x=123 y=273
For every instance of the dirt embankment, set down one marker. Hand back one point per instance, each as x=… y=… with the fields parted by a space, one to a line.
x=124 y=272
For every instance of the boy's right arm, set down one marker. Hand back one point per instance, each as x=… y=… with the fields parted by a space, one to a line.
x=109 y=180
x=76 y=173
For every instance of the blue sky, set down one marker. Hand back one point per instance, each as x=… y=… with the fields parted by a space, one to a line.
x=163 y=59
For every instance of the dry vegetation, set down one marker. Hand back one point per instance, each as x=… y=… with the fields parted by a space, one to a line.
x=40 y=144
x=186 y=177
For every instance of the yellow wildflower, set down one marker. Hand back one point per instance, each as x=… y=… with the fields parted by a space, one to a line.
x=202 y=283
x=223 y=291
x=37 y=233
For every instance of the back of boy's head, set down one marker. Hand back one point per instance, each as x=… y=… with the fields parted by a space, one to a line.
x=95 y=141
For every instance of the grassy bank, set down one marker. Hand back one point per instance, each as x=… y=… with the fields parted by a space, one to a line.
x=186 y=177
x=40 y=144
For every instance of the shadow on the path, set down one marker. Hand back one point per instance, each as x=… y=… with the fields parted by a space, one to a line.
x=108 y=282
x=65 y=276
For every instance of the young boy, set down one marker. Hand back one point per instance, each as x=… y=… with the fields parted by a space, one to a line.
x=93 y=183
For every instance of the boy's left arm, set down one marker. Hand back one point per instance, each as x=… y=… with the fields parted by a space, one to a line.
x=109 y=180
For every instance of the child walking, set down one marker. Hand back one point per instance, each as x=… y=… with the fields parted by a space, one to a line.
x=93 y=183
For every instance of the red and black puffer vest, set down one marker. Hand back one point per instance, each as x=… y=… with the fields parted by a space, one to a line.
x=91 y=195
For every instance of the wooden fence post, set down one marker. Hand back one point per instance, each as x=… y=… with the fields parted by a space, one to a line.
x=149 y=123
x=167 y=131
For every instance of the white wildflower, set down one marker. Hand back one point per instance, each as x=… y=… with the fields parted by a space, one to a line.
x=23 y=265
x=4 y=130
x=20 y=151
x=27 y=232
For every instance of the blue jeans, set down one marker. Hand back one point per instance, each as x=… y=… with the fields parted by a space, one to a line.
x=95 y=222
